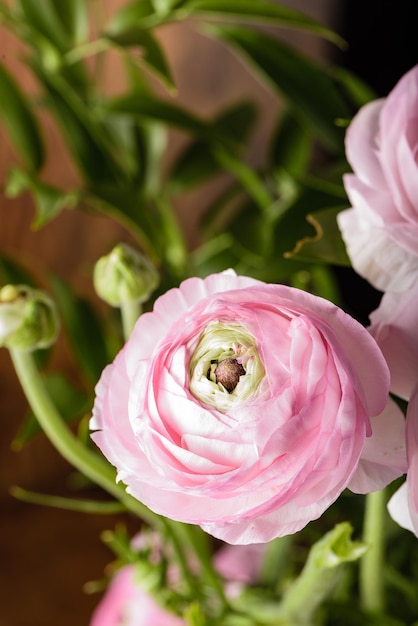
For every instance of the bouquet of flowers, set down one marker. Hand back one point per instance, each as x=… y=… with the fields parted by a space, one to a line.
x=226 y=401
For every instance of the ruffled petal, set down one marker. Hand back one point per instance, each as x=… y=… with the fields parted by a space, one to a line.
x=383 y=458
x=394 y=326
x=361 y=143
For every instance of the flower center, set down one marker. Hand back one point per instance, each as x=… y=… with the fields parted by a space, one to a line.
x=228 y=373
x=225 y=367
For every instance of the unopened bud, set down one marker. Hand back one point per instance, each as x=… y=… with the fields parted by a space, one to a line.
x=28 y=318
x=125 y=275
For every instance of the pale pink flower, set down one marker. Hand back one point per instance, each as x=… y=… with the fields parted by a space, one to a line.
x=126 y=603
x=394 y=325
x=403 y=505
x=263 y=445
x=381 y=229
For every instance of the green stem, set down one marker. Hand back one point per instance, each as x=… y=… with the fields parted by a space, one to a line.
x=372 y=563
x=85 y=460
x=130 y=311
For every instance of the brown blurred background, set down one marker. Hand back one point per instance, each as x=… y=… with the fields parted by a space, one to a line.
x=48 y=555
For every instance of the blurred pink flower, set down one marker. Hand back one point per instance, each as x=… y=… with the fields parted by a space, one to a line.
x=240 y=563
x=262 y=445
x=381 y=228
x=125 y=603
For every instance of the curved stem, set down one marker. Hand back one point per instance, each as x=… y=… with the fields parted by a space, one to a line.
x=130 y=311
x=82 y=458
x=372 y=563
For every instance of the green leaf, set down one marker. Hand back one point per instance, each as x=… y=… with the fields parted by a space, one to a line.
x=74 y=18
x=49 y=200
x=291 y=145
x=164 y=7
x=247 y=176
x=197 y=162
x=84 y=329
x=20 y=121
x=358 y=92
x=43 y=17
x=153 y=54
x=12 y=273
x=260 y=10
x=131 y=15
x=68 y=504
x=146 y=106
x=129 y=207
x=71 y=402
x=85 y=135
x=326 y=246
x=305 y=85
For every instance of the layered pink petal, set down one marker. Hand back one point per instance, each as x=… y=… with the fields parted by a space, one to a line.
x=272 y=461
x=381 y=230
x=394 y=326
x=383 y=458
x=361 y=143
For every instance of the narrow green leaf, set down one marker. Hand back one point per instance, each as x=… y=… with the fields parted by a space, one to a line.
x=247 y=176
x=84 y=328
x=85 y=135
x=11 y=272
x=305 y=85
x=43 y=17
x=68 y=504
x=74 y=18
x=356 y=89
x=197 y=163
x=153 y=54
x=20 y=121
x=164 y=7
x=326 y=246
x=261 y=10
x=49 y=200
x=226 y=204
x=71 y=402
x=130 y=15
x=291 y=145
x=144 y=105
x=129 y=207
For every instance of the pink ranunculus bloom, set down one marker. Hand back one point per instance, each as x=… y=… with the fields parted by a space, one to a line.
x=244 y=407
x=403 y=506
x=394 y=325
x=125 y=603
x=381 y=228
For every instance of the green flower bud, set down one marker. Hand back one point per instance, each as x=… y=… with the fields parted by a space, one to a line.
x=28 y=318
x=125 y=275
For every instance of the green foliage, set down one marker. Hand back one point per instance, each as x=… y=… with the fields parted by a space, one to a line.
x=275 y=221
x=117 y=143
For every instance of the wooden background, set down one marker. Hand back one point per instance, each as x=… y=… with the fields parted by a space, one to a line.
x=47 y=555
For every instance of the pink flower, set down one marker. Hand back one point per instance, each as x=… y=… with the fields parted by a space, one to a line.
x=394 y=325
x=244 y=407
x=125 y=603
x=403 y=505
x=240 y=563
x=381 y=228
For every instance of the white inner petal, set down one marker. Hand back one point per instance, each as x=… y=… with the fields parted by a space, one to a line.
x=218 y=342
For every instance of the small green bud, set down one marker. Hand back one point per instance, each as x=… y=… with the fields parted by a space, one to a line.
x=28 y=318
x=125 y=275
